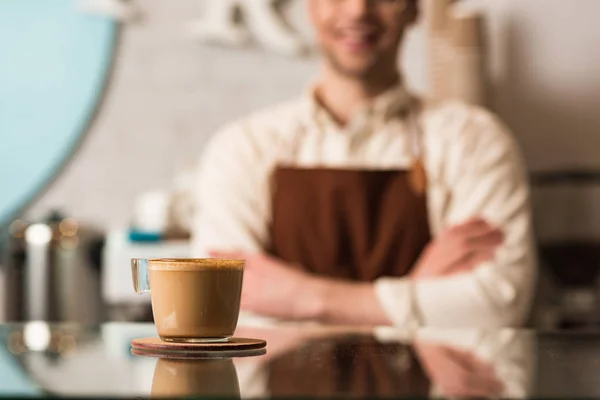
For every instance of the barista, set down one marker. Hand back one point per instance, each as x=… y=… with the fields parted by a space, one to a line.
x=359 y=203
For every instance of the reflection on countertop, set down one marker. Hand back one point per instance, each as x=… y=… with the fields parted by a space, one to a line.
x=73 y=360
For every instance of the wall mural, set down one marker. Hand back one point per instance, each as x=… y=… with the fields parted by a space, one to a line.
x=55 y=61
x=260 y=21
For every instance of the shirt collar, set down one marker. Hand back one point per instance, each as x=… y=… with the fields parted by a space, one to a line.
x=391 y=104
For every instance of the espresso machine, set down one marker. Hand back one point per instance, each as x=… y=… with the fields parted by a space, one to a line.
x=567 y=220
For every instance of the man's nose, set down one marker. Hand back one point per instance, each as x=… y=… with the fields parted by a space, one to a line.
x=358 y=8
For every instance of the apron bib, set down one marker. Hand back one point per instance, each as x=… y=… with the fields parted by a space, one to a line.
x=352 y=224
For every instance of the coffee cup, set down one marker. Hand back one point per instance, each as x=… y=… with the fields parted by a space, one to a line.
x=193 y=300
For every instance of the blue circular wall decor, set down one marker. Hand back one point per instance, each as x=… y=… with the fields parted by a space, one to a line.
x=54 y=63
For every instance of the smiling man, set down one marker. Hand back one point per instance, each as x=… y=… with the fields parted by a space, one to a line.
x=359 y=203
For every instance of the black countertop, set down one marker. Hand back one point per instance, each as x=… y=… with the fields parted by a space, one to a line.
x=38 y=359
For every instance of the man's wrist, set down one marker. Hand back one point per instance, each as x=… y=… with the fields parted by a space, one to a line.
x=331 y=300
x=314 y=305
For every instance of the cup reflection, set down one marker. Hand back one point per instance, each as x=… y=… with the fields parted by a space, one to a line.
x=206 y=378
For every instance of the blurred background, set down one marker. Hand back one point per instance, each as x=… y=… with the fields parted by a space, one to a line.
x=106 y=106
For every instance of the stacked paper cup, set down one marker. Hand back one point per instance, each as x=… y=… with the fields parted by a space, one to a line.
x=468 y=62
x=456 y=52
x=437 y=27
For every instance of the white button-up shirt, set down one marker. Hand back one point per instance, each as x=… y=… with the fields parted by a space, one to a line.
x=474 y=168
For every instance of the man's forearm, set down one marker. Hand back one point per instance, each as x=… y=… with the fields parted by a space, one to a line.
x=341 y=302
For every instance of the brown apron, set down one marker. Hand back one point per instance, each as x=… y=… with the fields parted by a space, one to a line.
x=352 y=224
x=357 y=225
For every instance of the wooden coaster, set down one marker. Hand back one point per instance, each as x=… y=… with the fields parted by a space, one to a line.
x=155 y=347
x=199 y=355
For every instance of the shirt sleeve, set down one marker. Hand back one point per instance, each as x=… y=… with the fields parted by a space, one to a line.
x=488 y=180
x=230 y=204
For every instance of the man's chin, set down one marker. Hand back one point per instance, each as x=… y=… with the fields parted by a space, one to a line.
x=353 y=68
x=355 y=71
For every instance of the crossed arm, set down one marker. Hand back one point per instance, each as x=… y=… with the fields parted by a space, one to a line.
x=275 y=289
x=478 y=271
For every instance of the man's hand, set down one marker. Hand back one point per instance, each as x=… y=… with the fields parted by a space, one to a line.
x=459 y=249
x=275 y=289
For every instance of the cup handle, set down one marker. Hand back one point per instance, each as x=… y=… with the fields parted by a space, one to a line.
x=139 y=272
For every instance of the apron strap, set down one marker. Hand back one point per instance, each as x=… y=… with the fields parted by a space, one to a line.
x=418 y=174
